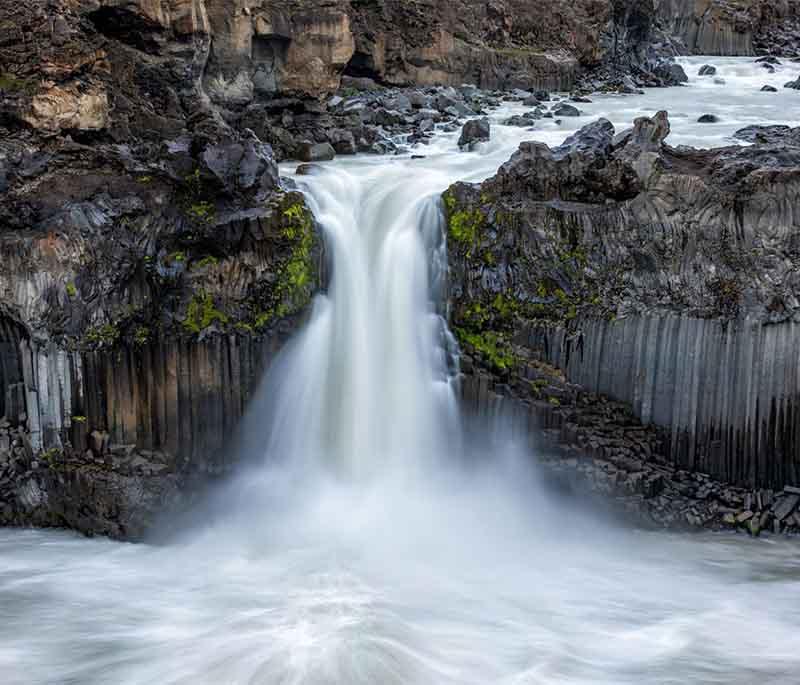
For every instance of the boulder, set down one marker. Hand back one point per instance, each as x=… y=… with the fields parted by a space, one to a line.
x=315 y=152
x=474 y=131
x=707 y=70
x=671 y=74
x=565 y=110
x=708 y=119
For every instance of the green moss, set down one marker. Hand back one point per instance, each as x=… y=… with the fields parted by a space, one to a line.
x=176 y=257
x=262 y=319
x=52 y=457
x=79 y=419
x=202 y=211
x=463 y=225
x=491 y=345
x=72 y=290
x=295 y=271
x=296 y=274
x=196 y=200
x=145 y=179
x=554 y=401
x=206 y=261
x=201 y=313
x=13 y=84
x=142 y=335
x=107 y=334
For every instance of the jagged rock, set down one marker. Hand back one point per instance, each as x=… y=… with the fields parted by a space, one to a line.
x=474 y=131
x=794 y=85
x=769 y=135
x=786 y=506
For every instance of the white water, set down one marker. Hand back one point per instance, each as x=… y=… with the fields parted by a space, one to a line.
x=372 y=551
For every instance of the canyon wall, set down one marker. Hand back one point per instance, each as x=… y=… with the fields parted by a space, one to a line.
x=665 y=278
x=733 y=27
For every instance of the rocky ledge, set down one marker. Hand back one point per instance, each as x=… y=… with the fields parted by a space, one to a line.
x=663 y=278
x=144 y=287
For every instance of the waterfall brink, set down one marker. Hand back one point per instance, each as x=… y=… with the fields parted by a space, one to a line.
x=368 y=384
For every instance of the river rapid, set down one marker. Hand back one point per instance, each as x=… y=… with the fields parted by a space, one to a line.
x=368 y=541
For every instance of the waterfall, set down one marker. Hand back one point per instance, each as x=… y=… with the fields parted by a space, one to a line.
x=368 y=384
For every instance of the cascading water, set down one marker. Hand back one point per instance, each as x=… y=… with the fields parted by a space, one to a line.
x=364 y=552
x=367 y=383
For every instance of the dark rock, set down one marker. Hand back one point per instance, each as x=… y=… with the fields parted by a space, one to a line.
x=785 y=506
x=565 y=110
x=474 y=131
x=769 y=89
x=794 y=85
x=671 y=74
x=772 y=135
x=308 y=169
x=315 y=152
x=578 y=242
x=707 y=70
x=708 y=119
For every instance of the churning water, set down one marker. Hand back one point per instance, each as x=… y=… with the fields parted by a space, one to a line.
x=369 y=550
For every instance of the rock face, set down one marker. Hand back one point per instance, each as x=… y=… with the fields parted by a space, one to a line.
x=141 y=295
x=152 y=263
x=733 y=27
x=661 y=277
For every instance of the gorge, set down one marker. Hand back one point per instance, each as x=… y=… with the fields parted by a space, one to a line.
x=380 y=397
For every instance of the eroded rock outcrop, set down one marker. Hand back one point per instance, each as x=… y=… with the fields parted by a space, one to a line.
x=152 y=263
x=142 y=292
x=663 y=277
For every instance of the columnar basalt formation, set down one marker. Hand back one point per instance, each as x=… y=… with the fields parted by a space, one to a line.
x=663 y=277
x=733 y=27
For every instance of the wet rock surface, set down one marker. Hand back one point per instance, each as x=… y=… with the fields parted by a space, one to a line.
x=622 y=262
